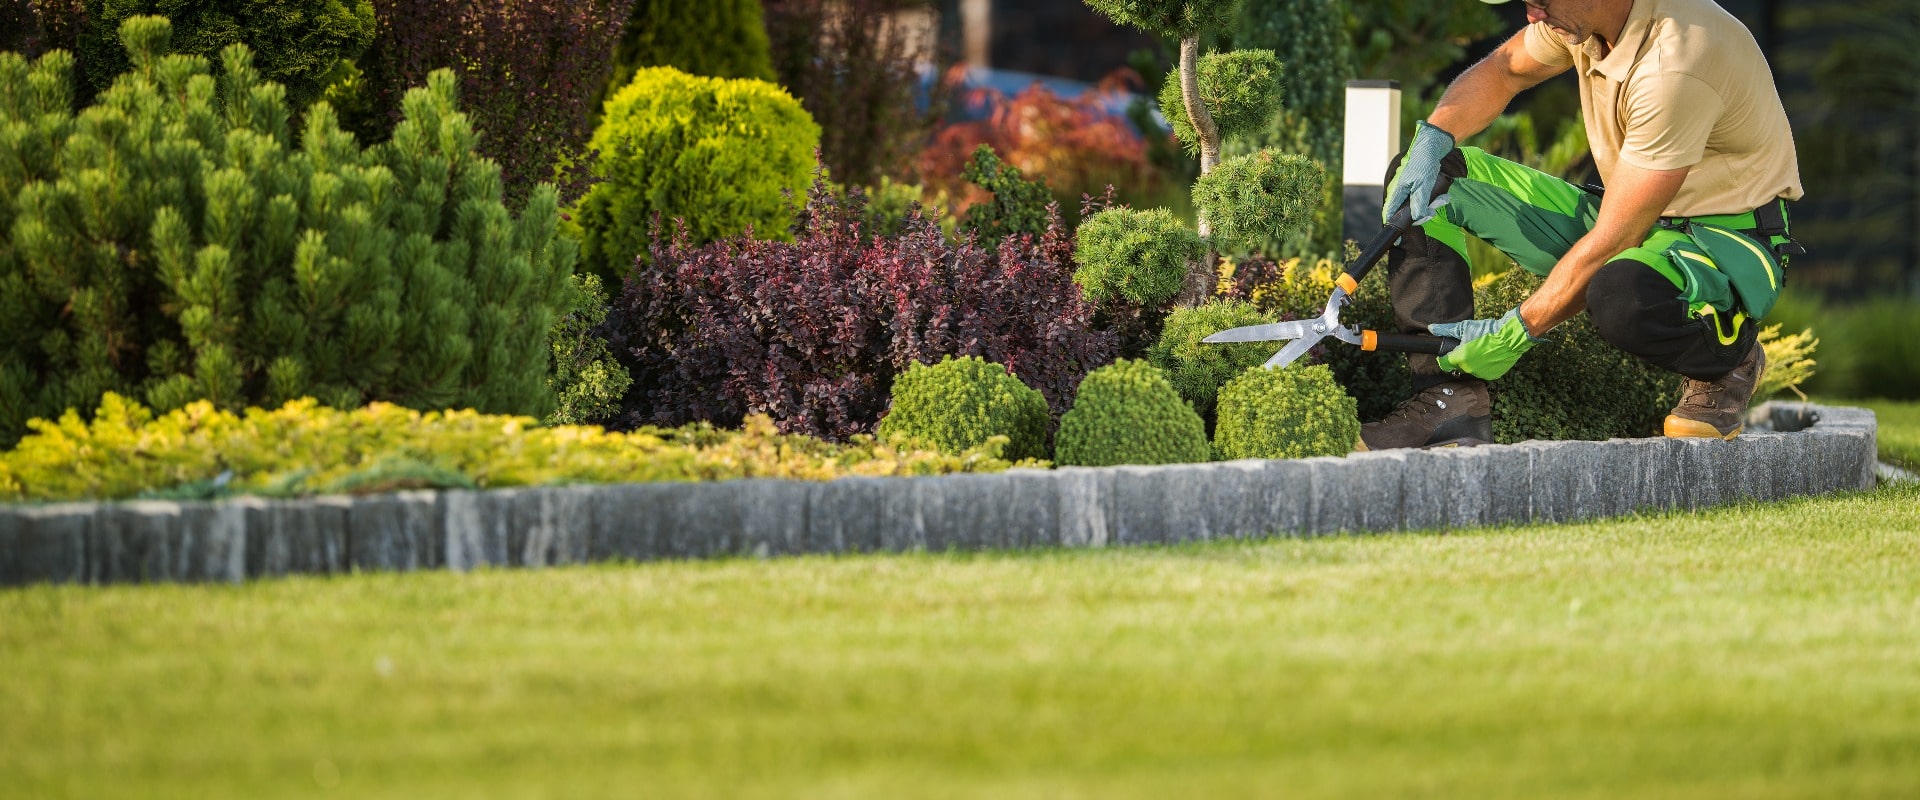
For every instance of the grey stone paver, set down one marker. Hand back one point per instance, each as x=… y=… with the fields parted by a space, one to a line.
x=1072 y=507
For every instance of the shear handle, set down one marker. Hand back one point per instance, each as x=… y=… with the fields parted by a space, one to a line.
x=1382 y=241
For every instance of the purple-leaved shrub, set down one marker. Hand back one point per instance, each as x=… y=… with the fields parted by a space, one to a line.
x=812 y=332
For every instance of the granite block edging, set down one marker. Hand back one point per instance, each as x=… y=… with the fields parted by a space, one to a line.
x=1791 y=450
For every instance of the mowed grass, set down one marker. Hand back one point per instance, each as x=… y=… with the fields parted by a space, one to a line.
x=1757 y=651
x=1899 y=430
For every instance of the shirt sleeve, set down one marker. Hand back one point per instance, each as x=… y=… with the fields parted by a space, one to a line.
x=1546 y=47
x=1667 y=118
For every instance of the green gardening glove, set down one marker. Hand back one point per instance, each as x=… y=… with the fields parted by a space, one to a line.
x=1488 y=347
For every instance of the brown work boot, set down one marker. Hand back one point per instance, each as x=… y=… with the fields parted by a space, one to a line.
x=1456 y=412
x=1718 y=408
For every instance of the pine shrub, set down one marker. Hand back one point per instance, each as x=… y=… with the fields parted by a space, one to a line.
x=165 y=247
x=720 y=155
x=296 y=43
x=813 y=332
x=1264 y=196
x=532 y=74
x=1137 y=256
x=302 y=448
x=1297 y=412
x=1127 y=413
x=711 y=38
x=1242 y=89
x=1197 y=370
x=960 y=403
x=1575 y=385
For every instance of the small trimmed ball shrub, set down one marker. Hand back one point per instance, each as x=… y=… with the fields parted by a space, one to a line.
x=721 y=155
x=1297 y=412
x=1265 y=196
x=1138 y=256
x=1575 y=385
x=1127 y=413
x=1196 y=369
x=1242 y=90
x=960 y=403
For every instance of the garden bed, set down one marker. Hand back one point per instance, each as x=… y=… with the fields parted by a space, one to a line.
x=1830 y=450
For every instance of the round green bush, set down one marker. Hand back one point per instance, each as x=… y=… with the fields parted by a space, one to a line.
x=1127 y=413
x=1263 y=196
x=1575 y=385
x=959 y=403
x=1241 y=90
x=1297 y=412
x=722 y=155
x=1170 y=18
x=1140 y=256
x=1196 y=369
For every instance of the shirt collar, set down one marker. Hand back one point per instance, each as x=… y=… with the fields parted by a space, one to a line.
x=1633 y=38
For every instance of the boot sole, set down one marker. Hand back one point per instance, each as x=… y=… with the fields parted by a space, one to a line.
x=1678 y=427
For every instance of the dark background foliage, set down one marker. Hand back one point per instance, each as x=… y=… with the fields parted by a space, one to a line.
x=296 y=43
x=813 y=332
x=851 y=66
x=531 y=73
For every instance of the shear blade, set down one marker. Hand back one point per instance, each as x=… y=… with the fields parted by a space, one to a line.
x=1292 y=352
x=1270 y=332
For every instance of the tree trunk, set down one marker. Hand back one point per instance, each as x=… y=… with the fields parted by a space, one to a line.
x=1200 y=276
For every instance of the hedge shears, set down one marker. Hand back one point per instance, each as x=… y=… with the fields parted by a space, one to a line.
x=1305 y=333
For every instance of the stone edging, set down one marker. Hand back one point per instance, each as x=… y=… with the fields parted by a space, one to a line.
x=230 y=540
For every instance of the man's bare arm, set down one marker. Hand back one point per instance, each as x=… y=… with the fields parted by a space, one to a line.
x=1632 y=205
x=1483 y=91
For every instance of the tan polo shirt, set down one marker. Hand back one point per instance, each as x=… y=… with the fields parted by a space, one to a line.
x=1686 y=86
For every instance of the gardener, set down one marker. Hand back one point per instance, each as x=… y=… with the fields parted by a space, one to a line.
x=1686 y=128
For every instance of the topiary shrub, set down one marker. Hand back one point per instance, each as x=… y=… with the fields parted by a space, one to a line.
x=1297 y=412
x=1197 y=370
x=960 y=403
x=1137 y=256
x=1127 y=413
x=713 y=38
x=164 y=247
x=1575 y=385
x=813 y=332
x=1242 y=89
x=721 y=155
x=1265 y=196
x=296 y=43
x=1298 y=289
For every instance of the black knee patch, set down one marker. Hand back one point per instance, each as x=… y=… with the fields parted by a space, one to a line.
x=1626 y=299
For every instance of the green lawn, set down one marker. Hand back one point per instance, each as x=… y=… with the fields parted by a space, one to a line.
x=1756 y=652
x=1899 y=433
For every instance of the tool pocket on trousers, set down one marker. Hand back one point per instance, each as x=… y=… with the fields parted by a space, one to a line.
x=1752 y=271
x=1705 y=288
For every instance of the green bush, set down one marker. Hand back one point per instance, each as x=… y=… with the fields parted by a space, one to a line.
x=303 y=448
x=1242 y=91
x=1299 y=290
x=587 y=381
x=1265 y=196
x=1310 y=40
x=1127 y=413
x=296 y=43
x=162 y=246
x=1297 y=412
x=960 y=403
x=711 y=38
x=1019 y=204
x=1139 y=256
x=1170 y=18
x=1197 y=370
x=721 y=155
x=1575 y=385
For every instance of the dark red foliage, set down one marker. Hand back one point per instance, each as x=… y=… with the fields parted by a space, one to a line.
x=530 y=72
x=812 y=332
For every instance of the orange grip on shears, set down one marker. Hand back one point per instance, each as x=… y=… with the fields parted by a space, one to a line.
x=1347 y=282
x=1369 y=340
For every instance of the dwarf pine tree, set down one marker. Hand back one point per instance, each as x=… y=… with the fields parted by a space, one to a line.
x=173 y=242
